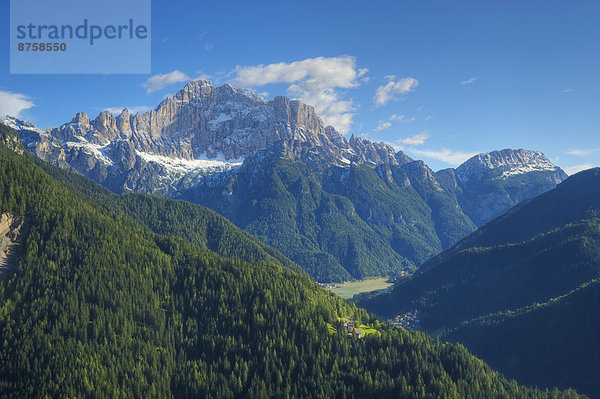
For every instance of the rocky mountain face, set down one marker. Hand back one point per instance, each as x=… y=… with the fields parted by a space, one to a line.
x=200 y=131
x=488 y=184
x=340 y=208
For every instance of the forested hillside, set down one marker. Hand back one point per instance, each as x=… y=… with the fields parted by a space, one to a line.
x=549 y=344
x=100 y=306
x=540 y=250
x=351 y=222
x=522 y=291
x=195 y=223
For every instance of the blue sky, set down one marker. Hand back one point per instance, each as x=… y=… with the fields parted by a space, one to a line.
x=439 y=79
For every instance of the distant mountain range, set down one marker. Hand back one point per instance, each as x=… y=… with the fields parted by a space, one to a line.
x=341 y=209
x=522 y=291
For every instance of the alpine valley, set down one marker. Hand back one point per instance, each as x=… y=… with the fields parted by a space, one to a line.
x=340 y=208
x=105 y=295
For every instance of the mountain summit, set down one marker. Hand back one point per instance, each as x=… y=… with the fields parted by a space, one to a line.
x=507 y=163
x=490 y=183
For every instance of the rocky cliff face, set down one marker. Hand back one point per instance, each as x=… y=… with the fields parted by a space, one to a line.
x=203 y=121
x=200 y=131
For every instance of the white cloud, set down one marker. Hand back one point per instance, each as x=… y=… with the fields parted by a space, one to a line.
x=315 y=81
x=160 y=81
x=208 y=47
x=453 y=158
x=571 y=170
x=385 y=94
x=468 y=81
x=583 y=152
x=14 y=103
x=428 y=118
x=567 y=90
x=314 y=73
x=417 y=139
x=132 y=110
x=383 y=125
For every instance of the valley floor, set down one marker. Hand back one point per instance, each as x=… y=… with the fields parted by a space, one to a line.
x=349 y=289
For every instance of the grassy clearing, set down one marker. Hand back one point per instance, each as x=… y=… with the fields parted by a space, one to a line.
x=348 y=290
x=368 y=330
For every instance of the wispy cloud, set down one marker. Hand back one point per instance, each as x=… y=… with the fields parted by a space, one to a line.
x=402 y=118
x=389 y=92
x=208 y=47
x=203 y=75
x=570 y=89
x=583 y=152
x=160 y=81
x=468 y=81
x=132 y=110
x=428 y=118
x=383 y=125
x=571 y=170
x=315 y=81
x=14 y=103
x=386 y=124
x=452 y=158
x=417 y=139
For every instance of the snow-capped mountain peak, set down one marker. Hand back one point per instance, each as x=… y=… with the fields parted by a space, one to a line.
x=503 y=164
